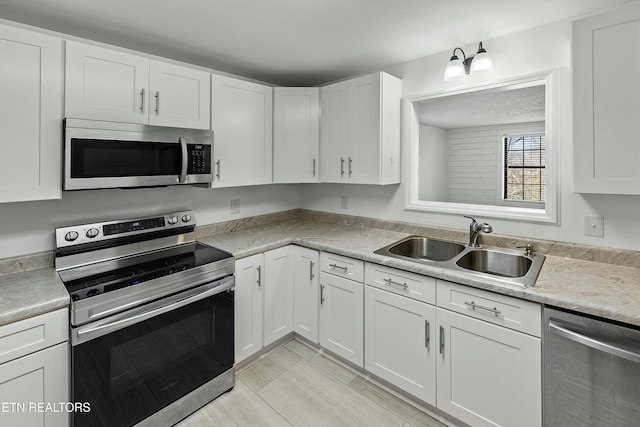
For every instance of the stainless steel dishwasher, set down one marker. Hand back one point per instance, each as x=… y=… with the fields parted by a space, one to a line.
x=591 y=371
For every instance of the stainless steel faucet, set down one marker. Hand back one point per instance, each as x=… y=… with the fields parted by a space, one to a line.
x=474 y=231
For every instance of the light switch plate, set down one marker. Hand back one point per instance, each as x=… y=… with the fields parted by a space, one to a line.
x=594 y=226
x=344 y=201
x=235 y=206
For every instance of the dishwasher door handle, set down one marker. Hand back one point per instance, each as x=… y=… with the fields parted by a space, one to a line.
x=593 y=343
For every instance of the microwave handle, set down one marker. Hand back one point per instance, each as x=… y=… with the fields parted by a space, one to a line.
x=185 y=160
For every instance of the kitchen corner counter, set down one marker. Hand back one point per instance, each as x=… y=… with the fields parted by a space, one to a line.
x=30 y=293
x=604 y=290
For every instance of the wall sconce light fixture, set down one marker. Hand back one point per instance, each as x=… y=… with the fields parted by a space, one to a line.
x=456 y=68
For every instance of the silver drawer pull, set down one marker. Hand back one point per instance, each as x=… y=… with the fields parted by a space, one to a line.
x=311 y=275
x=473 y=305
x=339 y=267
x=391 y=282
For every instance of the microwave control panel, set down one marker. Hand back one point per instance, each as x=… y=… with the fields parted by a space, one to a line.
x=199 y=159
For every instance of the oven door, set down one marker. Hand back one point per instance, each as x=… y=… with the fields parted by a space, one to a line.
x=131 y=365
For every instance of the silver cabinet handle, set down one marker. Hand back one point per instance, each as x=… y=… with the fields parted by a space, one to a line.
x=142 y=101
x=218 y=168
x=311 y=275
x=427 y=334
x=157 y=102
x=473 y=306
x=183 y=168
x=341 y=166
x=321 y=294
x=339 y=267
x=350 y=166
x=314 y=167
x=441 y=340
x=594 y=343
x=259 y=276
x=390 y=282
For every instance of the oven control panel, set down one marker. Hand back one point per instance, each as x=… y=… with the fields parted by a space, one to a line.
x=95 y=232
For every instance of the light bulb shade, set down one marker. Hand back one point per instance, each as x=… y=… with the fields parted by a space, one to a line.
x=481 y=62
x=454 y=70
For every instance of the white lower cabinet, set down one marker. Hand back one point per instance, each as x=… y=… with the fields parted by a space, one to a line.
x=342 y=317
x=400 y=346
x=488 y=375
x=278 y=294
x=34 y=378
x=306 y=293
x=263 y=300
x=249 y=306
x=475 y=354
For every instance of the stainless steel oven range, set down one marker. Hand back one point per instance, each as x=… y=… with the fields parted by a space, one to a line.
x=152 y=319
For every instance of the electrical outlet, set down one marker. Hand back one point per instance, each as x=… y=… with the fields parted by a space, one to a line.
x=594 y=226
x=344 y=202
x=235 y=206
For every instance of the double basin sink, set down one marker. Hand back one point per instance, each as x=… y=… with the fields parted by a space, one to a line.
x=501 y=265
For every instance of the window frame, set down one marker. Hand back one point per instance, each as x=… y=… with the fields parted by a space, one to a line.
x=503 y=201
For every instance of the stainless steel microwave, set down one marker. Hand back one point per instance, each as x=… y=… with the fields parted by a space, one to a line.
x=121 y=155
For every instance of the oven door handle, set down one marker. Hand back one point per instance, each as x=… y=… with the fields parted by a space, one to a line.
x=131 y=317
x=185 y=160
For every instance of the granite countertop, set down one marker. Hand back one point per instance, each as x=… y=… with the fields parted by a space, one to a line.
x=605 y=290
x=601 y=289
x=30 y=293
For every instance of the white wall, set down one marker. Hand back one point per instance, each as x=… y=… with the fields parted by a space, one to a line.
x=433 y=163
x=28 y=227
x=529 y=52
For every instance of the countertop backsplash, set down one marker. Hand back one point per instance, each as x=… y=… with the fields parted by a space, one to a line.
x=622 y=257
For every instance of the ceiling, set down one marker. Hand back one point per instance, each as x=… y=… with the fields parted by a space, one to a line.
x=484 y=108
x=294 y=42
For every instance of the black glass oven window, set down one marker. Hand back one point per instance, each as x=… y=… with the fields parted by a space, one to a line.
x=95 y=158
x=132 y=373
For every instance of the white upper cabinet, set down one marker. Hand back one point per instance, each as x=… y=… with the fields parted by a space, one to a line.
x=296 y=134
x=180 y=96
x=30 y=115
x=360 y=130
x=242 y=122
x=606 y=102
x=104 y=84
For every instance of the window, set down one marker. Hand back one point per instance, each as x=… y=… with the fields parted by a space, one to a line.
x=524 y=168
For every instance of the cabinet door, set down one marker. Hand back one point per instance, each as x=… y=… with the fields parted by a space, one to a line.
x=30 y=115
x=306 y=292
x=341 y=317
x=334 y=132
x=488 y=375
x=32 y=382
x=278 y=294
x=104 y=84
x=398 y=342
x=242 y=122
x=249 y=302
x=606 y=102
x=364 y=130
x=296 y=131
x=180 y=96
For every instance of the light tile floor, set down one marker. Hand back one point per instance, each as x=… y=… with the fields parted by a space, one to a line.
x=297 y=386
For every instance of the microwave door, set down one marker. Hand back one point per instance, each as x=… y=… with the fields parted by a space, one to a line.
x=99 y=163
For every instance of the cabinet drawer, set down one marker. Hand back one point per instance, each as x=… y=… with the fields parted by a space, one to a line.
x=401 y=282
x=36 y=333
x=342 y=266
x=513 y=313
